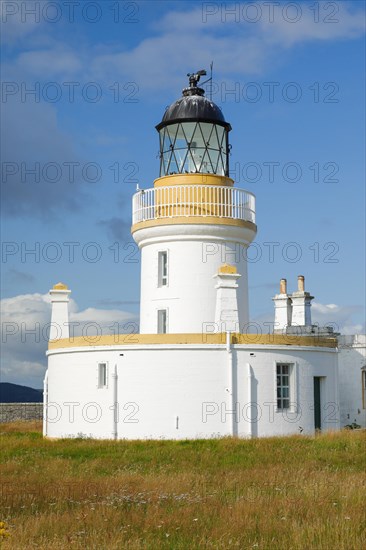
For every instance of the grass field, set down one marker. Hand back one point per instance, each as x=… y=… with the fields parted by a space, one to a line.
x=281 y=493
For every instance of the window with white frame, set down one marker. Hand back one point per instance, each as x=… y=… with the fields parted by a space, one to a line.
x=162 y=321
x=102 y=375
x=163 y=268
x=283 y=372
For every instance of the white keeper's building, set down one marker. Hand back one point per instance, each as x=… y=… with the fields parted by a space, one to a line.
x=193 y=371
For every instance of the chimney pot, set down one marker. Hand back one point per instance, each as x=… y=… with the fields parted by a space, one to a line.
x=283 y=286
x=301 y=283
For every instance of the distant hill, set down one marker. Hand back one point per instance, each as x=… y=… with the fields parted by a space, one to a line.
x=13 y=393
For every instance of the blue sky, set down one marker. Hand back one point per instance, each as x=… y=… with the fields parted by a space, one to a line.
x=289 y=79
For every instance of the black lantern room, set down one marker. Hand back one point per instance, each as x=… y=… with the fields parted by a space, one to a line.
x=194 y=134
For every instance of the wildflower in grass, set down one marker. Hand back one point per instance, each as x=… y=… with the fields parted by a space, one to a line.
x=4 y=530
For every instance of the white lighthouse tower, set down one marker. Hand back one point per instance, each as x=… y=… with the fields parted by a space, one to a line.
x=192 y=223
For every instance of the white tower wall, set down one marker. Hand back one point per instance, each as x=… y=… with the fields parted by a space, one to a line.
x=195 y=254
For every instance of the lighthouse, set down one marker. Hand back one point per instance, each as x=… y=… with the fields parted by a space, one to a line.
x=194 y=370
x=193 y=225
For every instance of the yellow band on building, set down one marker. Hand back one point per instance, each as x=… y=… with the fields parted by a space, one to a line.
x=193 y=179
x=189 y=220
x=199 y=338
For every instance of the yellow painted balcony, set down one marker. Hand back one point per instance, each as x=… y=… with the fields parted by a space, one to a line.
x=193 y=201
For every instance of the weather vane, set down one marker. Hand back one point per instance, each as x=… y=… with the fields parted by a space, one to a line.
x=194 y=78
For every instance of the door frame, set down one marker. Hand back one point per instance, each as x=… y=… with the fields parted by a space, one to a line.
x=318 y=394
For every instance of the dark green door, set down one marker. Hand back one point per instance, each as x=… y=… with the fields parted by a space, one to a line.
x=317 y=405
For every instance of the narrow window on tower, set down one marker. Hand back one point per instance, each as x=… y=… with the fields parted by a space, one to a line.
x=102 y=375
x=162 y=321
x=163 y=268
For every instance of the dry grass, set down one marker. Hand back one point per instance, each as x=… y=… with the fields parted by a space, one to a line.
x=294 y=493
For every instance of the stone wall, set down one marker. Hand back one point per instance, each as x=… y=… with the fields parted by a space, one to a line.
x=10 y=412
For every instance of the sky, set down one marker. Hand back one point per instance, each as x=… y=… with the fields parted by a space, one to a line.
x=83 y=86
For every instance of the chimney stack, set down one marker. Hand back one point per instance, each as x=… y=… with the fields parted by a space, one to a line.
x=226 y=314
x=301 y=303
x=60 y=312
x=282 y=305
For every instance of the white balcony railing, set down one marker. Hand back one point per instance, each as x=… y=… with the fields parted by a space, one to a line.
x=193 y=200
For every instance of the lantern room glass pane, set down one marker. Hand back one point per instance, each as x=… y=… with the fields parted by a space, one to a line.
x=188 y=128
x=206 y=131
x=220 y=135
x=172 y=132
x=167 y=142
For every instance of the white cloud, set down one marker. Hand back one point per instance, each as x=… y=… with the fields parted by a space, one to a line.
x=183 y=40
x=15 y=24
x=284 y=23
x=51 y=62
x=340 y=317
x=24 y=373
x=25 y=326
x=335 y=21
x=106 y=321
x=31 y=134
x=353 y=329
